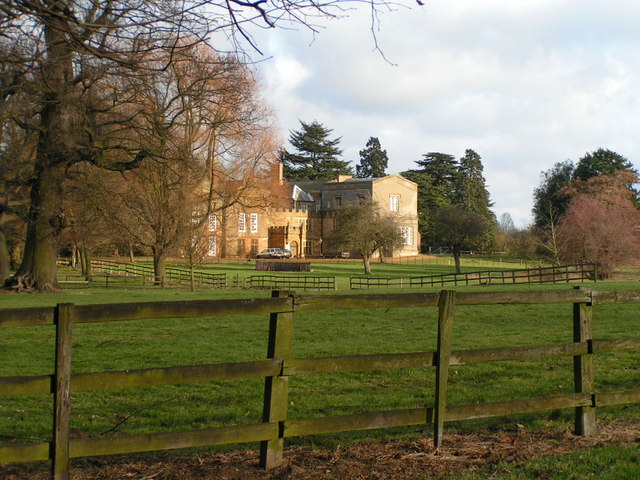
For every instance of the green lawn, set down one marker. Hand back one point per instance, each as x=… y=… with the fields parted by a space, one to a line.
x=139 y=344
x=603 y=463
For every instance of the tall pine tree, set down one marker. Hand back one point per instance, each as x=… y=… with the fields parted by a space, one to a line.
x=316 y=156
x=471 y=189
x=471 y=193
x=373 y=160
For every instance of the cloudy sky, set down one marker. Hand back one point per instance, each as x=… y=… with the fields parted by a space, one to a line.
x=525 y=83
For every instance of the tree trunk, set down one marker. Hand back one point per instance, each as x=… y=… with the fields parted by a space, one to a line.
x=456 y=259
x=159 y=265
x=57 y=148
x=86 y=255
x=4 y=258
x=38 y=268
x=367 y=264
x=74 y=256
x=193 y=277
x=82 y=258
x=132 y=259
x=223 y=234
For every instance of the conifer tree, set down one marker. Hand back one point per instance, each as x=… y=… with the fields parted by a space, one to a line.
x=316 y=155
x=443 y=182
x=373 y=160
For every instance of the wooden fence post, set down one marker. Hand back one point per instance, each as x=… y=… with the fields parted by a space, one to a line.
x=62 y=395
x=443 y=356
x=583 y=374
x=276 y=388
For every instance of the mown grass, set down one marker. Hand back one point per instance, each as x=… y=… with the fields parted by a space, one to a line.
x=603 y=463
x=140 y=344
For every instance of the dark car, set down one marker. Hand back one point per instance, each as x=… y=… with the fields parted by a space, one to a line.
x=271 y=253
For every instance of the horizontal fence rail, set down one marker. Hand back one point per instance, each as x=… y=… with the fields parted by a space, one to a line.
x=561 y=274
x=307 y=282
x=280 y=365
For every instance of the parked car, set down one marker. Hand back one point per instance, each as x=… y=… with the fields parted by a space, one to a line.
x=286 y=253
x=271 y=253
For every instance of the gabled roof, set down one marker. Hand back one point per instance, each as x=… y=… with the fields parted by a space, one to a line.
x=394 y=175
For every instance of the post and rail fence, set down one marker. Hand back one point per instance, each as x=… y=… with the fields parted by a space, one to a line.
x=120 y=274
x=279 y=365
x=297 y=282
x=557 y=274
x=112 y=274
x=173 y=275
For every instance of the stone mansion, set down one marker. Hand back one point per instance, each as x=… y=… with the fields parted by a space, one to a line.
x=305 y=219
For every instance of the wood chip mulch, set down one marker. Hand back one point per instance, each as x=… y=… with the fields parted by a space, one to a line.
x=395 y=459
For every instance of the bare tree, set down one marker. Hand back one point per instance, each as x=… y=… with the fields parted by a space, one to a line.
x=459 y=230
x=366 y=230
x=58 y=52
x=17 y=147
x=548 y=239
x=601 y=225
x=210 y=144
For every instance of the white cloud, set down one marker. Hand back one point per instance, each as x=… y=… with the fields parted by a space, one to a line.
x=526 y=84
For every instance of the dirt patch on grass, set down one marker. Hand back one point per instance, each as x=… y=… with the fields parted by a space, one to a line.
x=395 y=459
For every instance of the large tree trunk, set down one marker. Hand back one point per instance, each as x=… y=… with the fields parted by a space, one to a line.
x=56 y=150
x=46 y=220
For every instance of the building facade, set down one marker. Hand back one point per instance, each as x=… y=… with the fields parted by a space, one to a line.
x=306 y=219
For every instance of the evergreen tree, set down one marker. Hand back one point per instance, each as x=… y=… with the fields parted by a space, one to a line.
x=373 y=160
x=549 y=201
x=430 y=198
x=316 y=156
x=442 y=182
x=601 y=162
x=471 y=191
x=442 y=168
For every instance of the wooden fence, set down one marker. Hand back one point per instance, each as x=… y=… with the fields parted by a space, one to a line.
x=118 y=273
x=564 y=273
x=280 y=365
x=296 y=282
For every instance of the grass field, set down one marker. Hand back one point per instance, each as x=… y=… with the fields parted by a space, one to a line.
x=139 y=344
x=603 y=463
